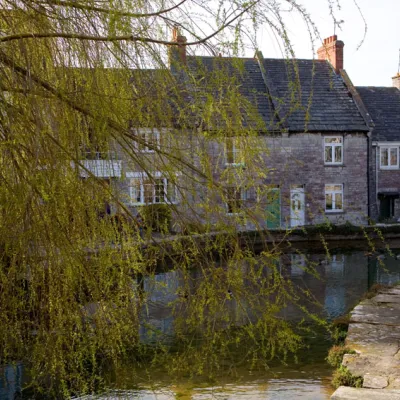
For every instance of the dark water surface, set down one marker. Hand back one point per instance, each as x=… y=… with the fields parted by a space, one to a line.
x=344 y=278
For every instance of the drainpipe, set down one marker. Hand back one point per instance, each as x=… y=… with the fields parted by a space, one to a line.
x=369 y=149
x=376 y=177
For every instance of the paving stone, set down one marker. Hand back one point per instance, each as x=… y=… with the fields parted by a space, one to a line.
x=394 y=383
x=375 y=381
x=374 y=332
x=387 y=298
x=347 y=393
x=376 y=314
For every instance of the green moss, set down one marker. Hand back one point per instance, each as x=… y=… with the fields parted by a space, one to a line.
x=343 y=377
x=339 y=328
x=336 y=353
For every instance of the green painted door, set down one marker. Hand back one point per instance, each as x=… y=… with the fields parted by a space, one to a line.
x=273 y=209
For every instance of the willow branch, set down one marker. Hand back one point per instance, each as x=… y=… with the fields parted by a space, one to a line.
x=108 y=11
x=128 y=38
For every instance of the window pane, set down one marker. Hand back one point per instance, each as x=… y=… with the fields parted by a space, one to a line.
x=159 y=191
x=171 y=190
x=384 y=157
x=328 y=154
x=338 y=154
x=329 y=188
x=338 y=201
x=393 y=156
x=135 y=190
x=337 y=188
x=333 y=140
x=148 y=191
x=328 y=200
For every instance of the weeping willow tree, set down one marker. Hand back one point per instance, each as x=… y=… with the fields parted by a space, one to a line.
x=99 y=121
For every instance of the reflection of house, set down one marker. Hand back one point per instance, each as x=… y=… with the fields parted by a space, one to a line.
x=383 y=105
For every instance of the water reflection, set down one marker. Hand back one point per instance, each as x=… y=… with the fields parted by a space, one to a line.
x=342 y=280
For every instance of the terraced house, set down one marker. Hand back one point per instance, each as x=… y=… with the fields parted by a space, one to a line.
x=296 y=152
x=383 y=107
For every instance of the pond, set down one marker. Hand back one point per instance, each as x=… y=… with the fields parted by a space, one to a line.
x=344 y=277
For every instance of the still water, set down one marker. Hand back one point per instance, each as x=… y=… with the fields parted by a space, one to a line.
x=344 y=277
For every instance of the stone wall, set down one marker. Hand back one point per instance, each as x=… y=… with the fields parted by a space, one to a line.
x=280 y=160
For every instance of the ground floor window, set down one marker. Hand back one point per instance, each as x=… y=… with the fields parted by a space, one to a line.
x=235 y=198
x=333 y=198
x=387 y=205
x=152 y=190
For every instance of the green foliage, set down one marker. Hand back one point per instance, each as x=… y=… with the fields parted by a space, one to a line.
x=343 y=377
x=71 y=276
x=336 y=353
x=339 y=328
x=157 y=217
x=374 y=290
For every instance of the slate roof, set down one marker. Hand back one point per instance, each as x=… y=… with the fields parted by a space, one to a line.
x=296 y=95
x=309 y=95
x=383 y=105
x=220 y=75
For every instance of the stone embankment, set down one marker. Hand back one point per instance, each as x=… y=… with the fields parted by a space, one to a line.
x=374 y=333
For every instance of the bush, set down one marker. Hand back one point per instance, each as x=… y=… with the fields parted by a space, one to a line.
x=374 y=290
x=122 y=223
x=336 y=353
x=157 y=217
x=343 y=377
x=339 y=327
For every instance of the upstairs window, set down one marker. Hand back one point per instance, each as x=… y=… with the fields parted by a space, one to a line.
x=158 y=190
x=333 y=150
x=333 y=198
x=148 y=140
x=233 y=152
x=389 y=157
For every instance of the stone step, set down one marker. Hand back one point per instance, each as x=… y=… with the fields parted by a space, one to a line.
x=348 y=393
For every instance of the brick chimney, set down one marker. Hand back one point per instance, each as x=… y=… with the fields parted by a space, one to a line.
x=177 y=54
x=396 y=81
x=332 y=50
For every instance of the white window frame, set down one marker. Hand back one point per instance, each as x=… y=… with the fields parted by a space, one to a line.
x=236 y=151
x=243 y=198
x=150 y=136
x=333 y=146
x=141 y=179
x=333 y=193
x=388 y=149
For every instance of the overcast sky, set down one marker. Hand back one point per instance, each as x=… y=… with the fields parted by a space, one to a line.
x=375 y=62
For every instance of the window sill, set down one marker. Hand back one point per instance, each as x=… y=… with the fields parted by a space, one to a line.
x=235 y=165
x=396 y=168
x=334 y=165
x=334 y=212
x=150 y=204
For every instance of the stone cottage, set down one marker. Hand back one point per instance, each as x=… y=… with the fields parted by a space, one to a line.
x=383 y=107
x=294 y=151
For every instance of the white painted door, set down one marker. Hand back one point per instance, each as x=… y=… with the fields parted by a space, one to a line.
x=297 y=207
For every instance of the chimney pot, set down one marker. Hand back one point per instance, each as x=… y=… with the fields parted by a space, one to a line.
x=332 y=50
x=177 y=52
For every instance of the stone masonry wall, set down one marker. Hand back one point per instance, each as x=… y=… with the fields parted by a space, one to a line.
x=284 y=160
